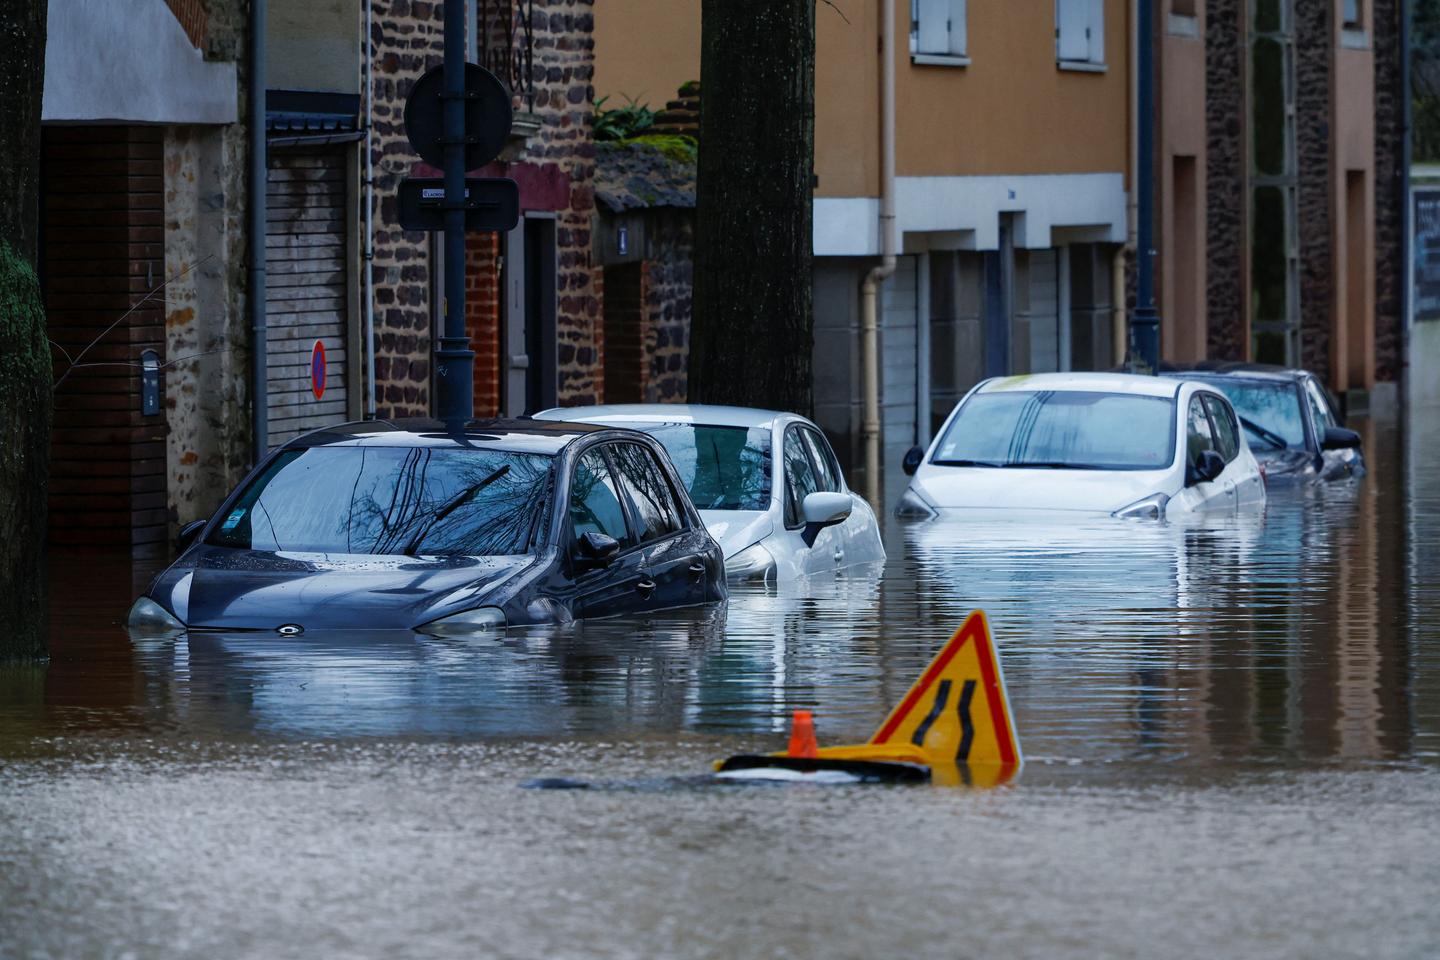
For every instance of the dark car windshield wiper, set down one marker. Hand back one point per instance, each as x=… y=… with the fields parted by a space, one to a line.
x=450 y=506
x=1269 y=436
x=1055 y=465
x=966 y=463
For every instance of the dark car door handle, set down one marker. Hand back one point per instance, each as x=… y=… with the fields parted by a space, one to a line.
x=697 y=569
x=646 y=586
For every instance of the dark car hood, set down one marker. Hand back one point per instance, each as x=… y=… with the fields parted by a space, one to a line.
x=250 y=590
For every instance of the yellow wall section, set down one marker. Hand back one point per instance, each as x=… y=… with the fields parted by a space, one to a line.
x=1011 y=111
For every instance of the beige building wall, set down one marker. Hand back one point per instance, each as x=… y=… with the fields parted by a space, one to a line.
x=313 y=45
x=1012 y=110
x=1353 y=203
x=1182 y=178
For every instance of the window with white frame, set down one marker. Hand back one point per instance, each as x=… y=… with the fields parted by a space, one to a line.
x=937 y=30
x=1352 y=15
x=1080 y=32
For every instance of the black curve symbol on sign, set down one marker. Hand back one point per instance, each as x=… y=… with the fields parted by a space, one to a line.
x=942 y=694
x=967 y=727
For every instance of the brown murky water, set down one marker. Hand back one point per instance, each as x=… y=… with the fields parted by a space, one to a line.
x=1232 y=735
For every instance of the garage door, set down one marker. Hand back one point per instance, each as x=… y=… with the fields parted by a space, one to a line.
x=306 y=287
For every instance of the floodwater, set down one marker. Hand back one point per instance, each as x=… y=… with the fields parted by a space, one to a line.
x=1231 y=731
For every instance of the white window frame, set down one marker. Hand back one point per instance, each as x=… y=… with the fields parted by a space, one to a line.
x=937 y=43
x=1080 y=35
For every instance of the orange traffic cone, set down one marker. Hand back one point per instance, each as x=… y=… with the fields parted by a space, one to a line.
x=802 y=736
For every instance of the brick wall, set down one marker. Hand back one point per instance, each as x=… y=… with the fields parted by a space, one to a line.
x=1313 y=51
x=1389 y=198
x=482 y=318
x=556 y=173
x=1225 y=242
x=191 y=14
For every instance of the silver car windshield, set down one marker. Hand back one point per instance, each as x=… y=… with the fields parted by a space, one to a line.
x=1060 y=429
x=723 y=468
x=392 y=500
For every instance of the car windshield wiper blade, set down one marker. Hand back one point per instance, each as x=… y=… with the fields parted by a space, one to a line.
x=1054 y=465
x=966 y=463
x=450 y=506
x=1269 y=436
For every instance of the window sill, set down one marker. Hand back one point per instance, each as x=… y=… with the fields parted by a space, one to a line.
x=938 y=60
x=1081 y=66
x=1183 y=25
x=1354 y=39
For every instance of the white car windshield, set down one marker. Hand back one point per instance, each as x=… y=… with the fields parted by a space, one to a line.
x=1060 y=429
x=392 y=500
x=723 y=468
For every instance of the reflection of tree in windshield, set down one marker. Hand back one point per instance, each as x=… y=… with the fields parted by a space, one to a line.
x=724 y=468
x=389 y=500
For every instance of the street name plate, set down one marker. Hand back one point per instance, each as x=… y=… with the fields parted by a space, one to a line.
x=491 y=204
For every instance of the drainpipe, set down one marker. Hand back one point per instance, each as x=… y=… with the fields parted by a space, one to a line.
x=869 y=327
x=259 y=416
x=369 y=214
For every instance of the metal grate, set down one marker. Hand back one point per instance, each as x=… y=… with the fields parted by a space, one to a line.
x=506 y=32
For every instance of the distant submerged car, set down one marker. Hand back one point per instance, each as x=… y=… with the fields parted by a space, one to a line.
x=1292 y=424
x=1098 y=443
x=775 y=517
x=407 y=525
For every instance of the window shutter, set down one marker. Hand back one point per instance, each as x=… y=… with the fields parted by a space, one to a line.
x=1070 y=22
x=933 y=36
x=957 y=28
x=1095 y=22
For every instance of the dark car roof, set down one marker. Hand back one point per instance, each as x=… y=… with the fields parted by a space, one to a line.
x=1231 y=368
x=520 y=435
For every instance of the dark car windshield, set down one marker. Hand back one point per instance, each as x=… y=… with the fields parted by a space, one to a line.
x=1067 y=429
x=1271 y=405
x=724 y=468
x=392 y=500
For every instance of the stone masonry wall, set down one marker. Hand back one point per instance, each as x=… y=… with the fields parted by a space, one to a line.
x=1313 y=51
x=1225 y=179
x=1389 y=184
x=668 y=286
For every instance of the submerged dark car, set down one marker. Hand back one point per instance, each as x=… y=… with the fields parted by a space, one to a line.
x=1288 y=417
x=405 y=525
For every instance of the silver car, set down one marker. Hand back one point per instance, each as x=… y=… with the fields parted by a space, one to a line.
x=775 y=517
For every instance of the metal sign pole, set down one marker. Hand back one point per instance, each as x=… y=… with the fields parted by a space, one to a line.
x=454 y=360
x=1145 y=321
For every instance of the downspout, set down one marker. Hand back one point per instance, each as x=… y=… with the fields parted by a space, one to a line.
x=259 y=414
x=869 y=327
x=369 y=256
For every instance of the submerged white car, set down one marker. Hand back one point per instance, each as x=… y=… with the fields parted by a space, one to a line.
x=775 y=517
x=1101 y=443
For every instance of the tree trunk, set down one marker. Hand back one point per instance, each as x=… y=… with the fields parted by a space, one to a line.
x=25 y=398
x=752 y=330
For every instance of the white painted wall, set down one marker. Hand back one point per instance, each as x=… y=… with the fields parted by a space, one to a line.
x=129 y=61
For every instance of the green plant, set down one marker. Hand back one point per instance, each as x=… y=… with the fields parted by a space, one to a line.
x=622 y=123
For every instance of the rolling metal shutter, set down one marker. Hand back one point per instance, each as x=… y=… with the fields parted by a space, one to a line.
x=306 y=288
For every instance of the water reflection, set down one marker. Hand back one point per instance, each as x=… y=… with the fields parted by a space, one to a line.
x=1294 y=637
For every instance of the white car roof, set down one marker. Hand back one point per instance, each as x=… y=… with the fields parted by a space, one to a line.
x=1098 y=382
x=701 y=413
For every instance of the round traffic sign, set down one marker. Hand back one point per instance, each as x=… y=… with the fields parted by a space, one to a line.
x=487 y=116
x=317 y=369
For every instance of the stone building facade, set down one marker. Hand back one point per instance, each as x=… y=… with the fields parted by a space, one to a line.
x=533 y=309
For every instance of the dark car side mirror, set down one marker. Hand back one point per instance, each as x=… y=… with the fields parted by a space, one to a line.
x=187 y=535
x=1209 y=466
x=597 y=549
x=1340 y=438
x=913 y=458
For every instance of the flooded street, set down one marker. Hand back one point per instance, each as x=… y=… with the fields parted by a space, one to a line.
x=1231 y=733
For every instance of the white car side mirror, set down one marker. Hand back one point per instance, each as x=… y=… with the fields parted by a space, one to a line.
x=824 y=508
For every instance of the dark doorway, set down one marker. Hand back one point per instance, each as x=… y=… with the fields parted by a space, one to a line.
x=624 y=334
